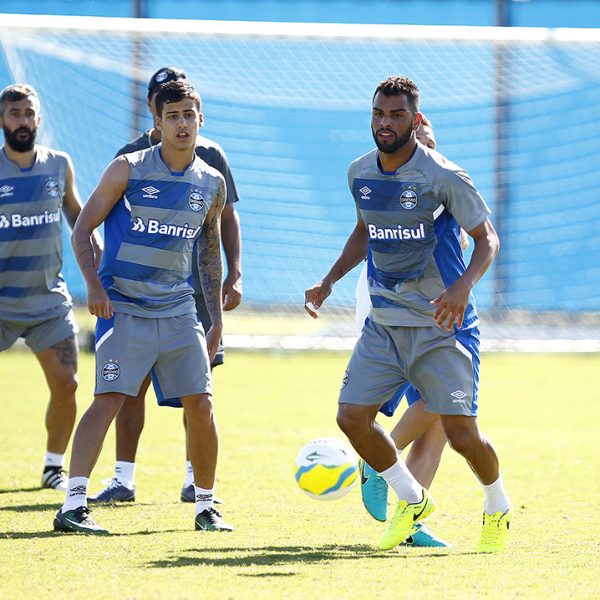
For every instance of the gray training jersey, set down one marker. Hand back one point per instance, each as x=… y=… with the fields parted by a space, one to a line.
x=213 y=155
x=149 y=235
x=31 y=284
x=413 y=218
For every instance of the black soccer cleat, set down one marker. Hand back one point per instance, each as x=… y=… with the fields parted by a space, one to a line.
x=55 y=478
x=78 y=521
x=211 y=519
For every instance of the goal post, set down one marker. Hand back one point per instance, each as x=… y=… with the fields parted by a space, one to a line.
x=518 y=108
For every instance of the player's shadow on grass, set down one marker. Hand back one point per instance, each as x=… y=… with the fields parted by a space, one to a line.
x=25 y=508
x=20 y=490
x=269 y=556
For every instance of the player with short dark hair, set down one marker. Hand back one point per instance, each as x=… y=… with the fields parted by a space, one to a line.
x=423 y=329
x=130 y=420
x=37 y=184
x=156 y=205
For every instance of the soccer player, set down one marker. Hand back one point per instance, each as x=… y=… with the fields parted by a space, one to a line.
x=36 y=184
x=130 y=420
x=423 y=329
x=156 y=204
x=423 y=430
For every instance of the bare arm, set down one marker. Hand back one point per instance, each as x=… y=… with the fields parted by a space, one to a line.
x=210 y=267
x=72 y=207
x=452 y=302
x=353 y=252
x=232 y=244
x=107 y=193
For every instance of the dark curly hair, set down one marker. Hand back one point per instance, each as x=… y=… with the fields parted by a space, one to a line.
x=176 y=91
x=400 y=86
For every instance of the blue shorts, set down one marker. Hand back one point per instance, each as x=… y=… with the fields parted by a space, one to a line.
x=408 y=390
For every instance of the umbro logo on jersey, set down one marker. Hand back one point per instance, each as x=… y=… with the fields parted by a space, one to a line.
x=458 y=397
x=154 y=226
x=365 y=191
x=6 y=190
x=151 y=192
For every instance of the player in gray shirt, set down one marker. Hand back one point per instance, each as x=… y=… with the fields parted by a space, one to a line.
x=411 y=203
x=37 y=184
x=130 y=420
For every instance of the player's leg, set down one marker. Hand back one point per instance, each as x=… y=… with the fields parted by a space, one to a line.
x=464 y=437
x=129 y=424
x=126 y=349
x=183 y=372
x=54 y=343
x=87 y=443
x=446 y=370
x=203 y=448
x=372 y=377
x=187 y=490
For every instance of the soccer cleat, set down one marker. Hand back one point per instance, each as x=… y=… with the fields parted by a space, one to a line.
x=77 y=520
x=494 y=532
x=188 y=494
x=113 y=492
x=404 y=518
x=55 y=478
x=421 y=537
x=211 y=519
x=374 y=491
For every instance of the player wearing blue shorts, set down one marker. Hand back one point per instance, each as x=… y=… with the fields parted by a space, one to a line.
x=156 y=205
x=37 y=186
x=130 y=420
x=411 y=204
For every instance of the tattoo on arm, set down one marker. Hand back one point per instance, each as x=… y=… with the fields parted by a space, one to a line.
x=210 y=264
x=66 y=352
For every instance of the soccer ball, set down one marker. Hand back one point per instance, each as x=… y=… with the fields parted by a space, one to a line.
x=326 y=469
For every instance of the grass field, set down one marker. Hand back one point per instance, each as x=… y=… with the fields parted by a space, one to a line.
x=542 y=412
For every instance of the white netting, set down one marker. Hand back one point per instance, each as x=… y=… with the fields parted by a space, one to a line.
x=290 y=103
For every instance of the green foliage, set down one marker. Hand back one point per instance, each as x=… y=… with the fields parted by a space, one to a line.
x=541 y=412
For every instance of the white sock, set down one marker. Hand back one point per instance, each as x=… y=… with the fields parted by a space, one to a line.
x=54 y=460
x=189 y=473
x=125 y=473
x=495 y=498
x=400 y=479
x=204 y=498
x=76 y=493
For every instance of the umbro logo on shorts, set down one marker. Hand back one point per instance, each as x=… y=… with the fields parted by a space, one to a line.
x=458 y=397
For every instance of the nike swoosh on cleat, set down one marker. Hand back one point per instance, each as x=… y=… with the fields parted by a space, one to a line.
x=415 y=517
x=363 y=478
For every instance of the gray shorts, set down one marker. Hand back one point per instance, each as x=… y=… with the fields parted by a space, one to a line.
x=39 y=334
x=172 y=348
x=443 y=366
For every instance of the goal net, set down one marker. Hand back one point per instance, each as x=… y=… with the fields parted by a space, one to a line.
x=519 y=109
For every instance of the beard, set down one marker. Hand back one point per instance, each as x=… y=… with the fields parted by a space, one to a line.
x=395 y=144
x=14 y=142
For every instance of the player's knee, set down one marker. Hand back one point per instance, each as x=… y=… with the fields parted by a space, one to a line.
x=461 y=440
x=200 y=409
x=351 y=421
x=63 y=389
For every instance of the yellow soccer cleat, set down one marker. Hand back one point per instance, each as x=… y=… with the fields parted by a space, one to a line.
x=494 y=532
x=404 y=518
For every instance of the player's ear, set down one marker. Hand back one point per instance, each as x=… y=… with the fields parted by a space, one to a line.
x=417 y=120
x=158 y=123
x=200 y=119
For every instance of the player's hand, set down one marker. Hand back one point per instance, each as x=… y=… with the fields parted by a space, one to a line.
x=232 y=291
x=315 y=296
x=99 y=303
x=451 y=305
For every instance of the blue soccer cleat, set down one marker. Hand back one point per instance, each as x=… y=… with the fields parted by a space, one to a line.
x=421 y=537
x=374 y=491
x=114 y=492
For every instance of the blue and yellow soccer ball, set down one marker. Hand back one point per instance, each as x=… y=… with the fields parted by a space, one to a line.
x=326 y=469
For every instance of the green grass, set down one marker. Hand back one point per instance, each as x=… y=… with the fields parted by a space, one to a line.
x=542 y=413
